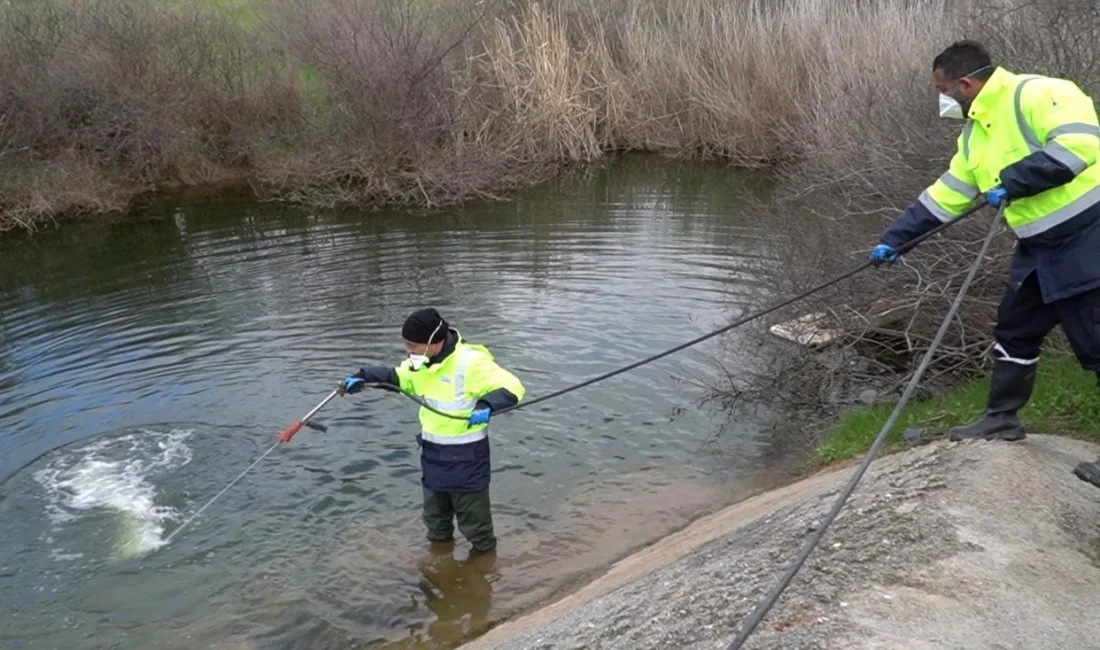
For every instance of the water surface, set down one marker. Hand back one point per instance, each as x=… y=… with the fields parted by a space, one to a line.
x=145 y=362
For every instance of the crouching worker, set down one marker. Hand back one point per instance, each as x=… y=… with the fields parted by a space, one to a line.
x=461 y=379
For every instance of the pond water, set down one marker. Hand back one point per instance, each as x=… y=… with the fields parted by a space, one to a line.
x=146 y=361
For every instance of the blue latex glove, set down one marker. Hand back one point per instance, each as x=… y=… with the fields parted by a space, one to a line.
x=996 y=196
x=883 y=253
x=353 y=384
x=480 y=416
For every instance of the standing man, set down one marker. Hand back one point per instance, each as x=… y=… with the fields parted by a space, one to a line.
x=1030 y=144
x=461 y=379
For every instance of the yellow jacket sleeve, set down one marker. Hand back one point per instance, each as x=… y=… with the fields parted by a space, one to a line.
x=1063 y=119
x=485 y=379
x=955 y=191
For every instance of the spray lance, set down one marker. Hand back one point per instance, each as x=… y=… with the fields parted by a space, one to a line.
x=306 y=421
x=285 y=436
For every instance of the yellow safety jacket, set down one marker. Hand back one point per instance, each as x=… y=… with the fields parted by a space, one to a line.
x=1014 y=116
x=454 y=386
x=1038 y=138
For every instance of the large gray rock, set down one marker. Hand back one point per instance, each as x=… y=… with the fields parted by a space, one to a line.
x=972 y=545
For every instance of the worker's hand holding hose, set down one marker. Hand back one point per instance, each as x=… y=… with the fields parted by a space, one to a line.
x=883 y=253
x=480 y=416
x=352 y=384
x=997 y=196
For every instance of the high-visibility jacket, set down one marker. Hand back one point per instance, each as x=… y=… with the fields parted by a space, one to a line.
x=454 y=385
x=461 y=378
x=1038 y=138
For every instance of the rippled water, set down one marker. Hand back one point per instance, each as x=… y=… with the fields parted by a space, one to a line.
x=145 y=362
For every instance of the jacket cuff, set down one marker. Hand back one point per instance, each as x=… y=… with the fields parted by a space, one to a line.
x=1034 y=174
x=498 y=399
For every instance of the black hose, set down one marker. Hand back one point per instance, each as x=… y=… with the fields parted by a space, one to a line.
x=766 y=605
x=722 y=330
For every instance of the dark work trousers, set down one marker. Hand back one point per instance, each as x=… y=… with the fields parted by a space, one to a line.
x=471 y=509
x=1023 y=322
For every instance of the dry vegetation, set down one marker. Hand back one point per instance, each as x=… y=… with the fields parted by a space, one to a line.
x=371 y=102
x=357 y=102
x=868 y=143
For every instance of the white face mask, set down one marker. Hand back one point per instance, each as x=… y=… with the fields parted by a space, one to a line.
x=417 y=361
x=950 y=109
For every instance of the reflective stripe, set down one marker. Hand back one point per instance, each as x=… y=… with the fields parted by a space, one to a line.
x=936 y=209
x=455 y=440
x=1059 y=152
x=1061 y=215
x=460 y=404
x=460 y=375
x=1029 y=134
x=444 y=405
x=1077 y=128
x=460 y=401
x=967 y=130
x=1002 y=355
x=960 y=186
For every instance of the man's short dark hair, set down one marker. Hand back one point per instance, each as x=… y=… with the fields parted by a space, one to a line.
x=962 y=58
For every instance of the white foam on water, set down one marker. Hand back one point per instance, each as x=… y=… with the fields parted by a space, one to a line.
x=59 y=555
x=114 y=474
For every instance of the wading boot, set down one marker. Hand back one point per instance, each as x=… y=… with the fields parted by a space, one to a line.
x=1088 y=472
x=1009 y=391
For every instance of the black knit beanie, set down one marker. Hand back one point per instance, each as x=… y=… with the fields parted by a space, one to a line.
x=420 y=325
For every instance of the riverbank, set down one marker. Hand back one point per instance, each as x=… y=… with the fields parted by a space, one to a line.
x=976 y=545
x=1065 y=400
x=335 y=103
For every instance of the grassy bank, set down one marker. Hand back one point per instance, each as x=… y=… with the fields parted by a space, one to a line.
x=1066 y=402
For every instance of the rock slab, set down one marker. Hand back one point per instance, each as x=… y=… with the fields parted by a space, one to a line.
x=948 y=545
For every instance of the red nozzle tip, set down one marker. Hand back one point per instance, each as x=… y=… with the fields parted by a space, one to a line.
x=286 y=435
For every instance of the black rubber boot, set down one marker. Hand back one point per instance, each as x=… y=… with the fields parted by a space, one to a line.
x=1088 y=472
x=1009 y=391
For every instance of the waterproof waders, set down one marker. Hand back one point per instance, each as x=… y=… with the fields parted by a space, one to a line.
x=471 y=509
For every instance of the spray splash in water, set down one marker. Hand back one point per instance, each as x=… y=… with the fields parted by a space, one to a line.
x=114 y=474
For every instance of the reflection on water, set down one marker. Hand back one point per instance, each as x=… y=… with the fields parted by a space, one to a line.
x=145 y=362
x=458 y=591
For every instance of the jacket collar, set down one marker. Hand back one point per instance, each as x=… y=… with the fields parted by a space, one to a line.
x=990 y=96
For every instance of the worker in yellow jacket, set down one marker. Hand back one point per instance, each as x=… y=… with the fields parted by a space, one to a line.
x=462 y=380
x=1030 y=144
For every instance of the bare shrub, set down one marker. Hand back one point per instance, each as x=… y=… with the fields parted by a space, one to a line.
x=870 y=145
x=33 y=192
x=381 y=128
x=142 y=92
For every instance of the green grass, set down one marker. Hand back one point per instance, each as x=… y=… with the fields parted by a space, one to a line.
x=1066 y=401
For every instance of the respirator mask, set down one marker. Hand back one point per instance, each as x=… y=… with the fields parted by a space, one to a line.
x=417 y=361
x=951 y=108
